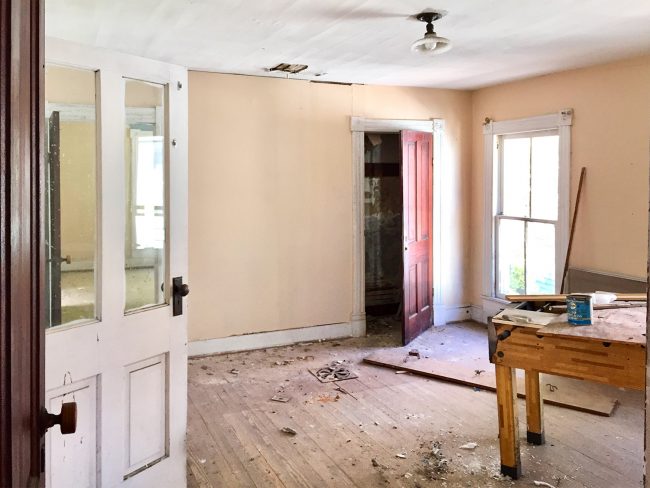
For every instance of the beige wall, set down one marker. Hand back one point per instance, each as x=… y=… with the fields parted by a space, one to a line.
x=270 y=195
x=610 y=136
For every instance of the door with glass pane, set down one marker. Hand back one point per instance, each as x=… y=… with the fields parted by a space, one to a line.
x=116 y=192
x=527 y=213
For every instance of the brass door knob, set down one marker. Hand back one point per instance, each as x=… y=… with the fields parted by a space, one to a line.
x=66 y=419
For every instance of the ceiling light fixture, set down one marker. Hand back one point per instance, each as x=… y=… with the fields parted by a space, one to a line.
x=431 y=43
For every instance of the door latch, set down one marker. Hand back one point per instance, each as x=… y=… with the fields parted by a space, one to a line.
x=179 y=290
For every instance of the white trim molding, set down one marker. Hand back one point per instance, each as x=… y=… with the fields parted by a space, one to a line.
x=440 y=312
x=361 y=124
x=261 y=340
x=560 y=121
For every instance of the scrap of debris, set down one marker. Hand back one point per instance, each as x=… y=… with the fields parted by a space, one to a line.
x=335 y=371
x=400 y=455
x=401 y=371
x=344 y=391
x=414 y=352
x=470 y=446
x=288 y=430
x=434 y=464
x=234 y=371
x=284 y=363
x=279 y=398
x=478 y=372
x=543 y=483
x=551 y=387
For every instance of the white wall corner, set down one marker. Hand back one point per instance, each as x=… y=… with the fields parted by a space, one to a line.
x=444 y=314
x=477 y=314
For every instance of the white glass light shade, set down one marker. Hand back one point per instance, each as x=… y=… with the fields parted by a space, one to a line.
x=431 y=44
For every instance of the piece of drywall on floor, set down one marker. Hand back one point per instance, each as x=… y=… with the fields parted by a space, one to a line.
x=609 y=136
x=270 y=196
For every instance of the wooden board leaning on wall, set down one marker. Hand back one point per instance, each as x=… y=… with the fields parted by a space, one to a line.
x=627 y=297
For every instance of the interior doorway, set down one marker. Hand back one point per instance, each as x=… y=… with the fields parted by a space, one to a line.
x=383 y=230
x=398 y=224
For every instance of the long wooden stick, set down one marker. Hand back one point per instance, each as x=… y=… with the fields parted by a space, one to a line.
x=583 y=172
x=623 y=297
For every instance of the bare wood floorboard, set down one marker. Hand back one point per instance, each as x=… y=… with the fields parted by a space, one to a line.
x=358 y=439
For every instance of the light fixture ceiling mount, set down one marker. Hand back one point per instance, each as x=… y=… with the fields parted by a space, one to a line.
x=431 y=43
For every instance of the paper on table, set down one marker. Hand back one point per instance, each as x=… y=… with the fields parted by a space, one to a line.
x=528 y=317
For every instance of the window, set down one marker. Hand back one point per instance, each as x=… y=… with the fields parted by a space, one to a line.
x=526 y=204
x=527 y=211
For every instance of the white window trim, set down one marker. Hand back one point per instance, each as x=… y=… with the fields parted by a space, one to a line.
x=561 y=121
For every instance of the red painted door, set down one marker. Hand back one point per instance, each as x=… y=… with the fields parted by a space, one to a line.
x=417 y=183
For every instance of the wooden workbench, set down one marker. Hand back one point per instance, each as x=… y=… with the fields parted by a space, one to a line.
x=610 y=351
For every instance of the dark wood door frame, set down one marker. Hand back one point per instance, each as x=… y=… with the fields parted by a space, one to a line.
x=21 y=249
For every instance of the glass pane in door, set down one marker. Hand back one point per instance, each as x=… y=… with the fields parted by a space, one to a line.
x=71 y=195
x=145 y=237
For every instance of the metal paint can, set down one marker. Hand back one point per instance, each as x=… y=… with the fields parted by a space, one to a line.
x=580 y=308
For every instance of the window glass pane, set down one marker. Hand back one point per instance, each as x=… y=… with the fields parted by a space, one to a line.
x=71 y=189
x=516 y=177
x=545 y=159
x=144 y=148
x=540 y=258
x=511 y=269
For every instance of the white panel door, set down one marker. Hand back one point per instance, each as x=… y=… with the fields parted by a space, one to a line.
x=116 y=150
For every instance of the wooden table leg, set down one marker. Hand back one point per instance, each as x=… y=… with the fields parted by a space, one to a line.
x=508 y=421
x=534 y=409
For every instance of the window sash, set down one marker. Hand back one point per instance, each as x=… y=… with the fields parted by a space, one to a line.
x=526 y=220
x=499 y=139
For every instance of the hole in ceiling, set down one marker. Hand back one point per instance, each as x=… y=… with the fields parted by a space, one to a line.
x=289 y=68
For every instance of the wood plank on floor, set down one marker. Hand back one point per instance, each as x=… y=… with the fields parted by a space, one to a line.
x=566 y=392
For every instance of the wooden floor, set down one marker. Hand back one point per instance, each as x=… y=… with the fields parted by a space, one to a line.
x=391 y=430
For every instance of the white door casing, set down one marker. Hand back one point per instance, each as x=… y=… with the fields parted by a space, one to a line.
x=127 y=372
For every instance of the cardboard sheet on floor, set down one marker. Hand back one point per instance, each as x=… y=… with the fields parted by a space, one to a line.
x=557 y=390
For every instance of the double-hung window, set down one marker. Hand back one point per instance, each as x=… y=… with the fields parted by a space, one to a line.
x=527 y=204
x=527 y=213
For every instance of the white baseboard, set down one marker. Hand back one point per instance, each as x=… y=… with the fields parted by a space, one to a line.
x=444 y=314
x=275 y=338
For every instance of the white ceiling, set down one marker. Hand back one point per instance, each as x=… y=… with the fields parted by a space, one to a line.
x=362 y=41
